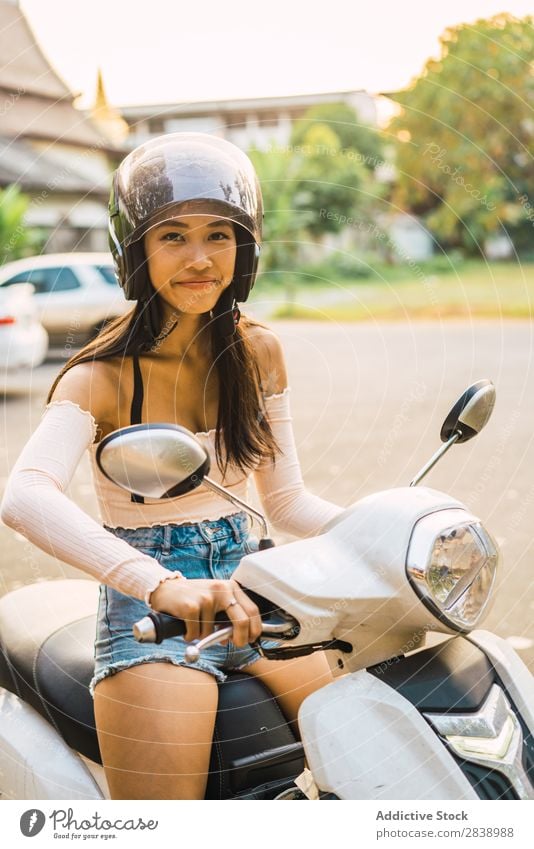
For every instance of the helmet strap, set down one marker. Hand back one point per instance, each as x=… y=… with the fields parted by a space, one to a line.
x=236 y=314
x=226 y=314
x=150 y=322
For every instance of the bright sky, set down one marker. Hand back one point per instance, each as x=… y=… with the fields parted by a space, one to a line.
x=171 y=50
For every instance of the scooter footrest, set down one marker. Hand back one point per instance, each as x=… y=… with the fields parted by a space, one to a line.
x=254 y=767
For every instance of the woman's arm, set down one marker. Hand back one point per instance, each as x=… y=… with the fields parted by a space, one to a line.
x=286 y=501
x=36 y=506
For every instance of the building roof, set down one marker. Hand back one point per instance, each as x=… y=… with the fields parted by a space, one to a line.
x=31 y=116
x=23 y=63
x=35 y=171
x=239 y=104
x=37 y=103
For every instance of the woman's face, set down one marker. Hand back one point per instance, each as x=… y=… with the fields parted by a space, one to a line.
x=191 y=260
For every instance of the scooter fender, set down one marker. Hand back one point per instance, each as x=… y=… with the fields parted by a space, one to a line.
x=363 y=740
x=35 y=762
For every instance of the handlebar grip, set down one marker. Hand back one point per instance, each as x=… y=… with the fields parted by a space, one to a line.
x=156 y=627
x=167 y=626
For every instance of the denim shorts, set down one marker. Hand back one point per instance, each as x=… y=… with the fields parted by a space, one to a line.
x=203 y=550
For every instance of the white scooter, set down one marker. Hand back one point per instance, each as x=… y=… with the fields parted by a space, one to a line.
x=400 y=721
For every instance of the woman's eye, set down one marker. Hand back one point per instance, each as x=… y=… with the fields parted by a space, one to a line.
x=219 y=235
x=172 y=237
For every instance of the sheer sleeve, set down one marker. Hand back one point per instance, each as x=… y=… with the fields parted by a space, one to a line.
x=36 y=506
x=287 y=503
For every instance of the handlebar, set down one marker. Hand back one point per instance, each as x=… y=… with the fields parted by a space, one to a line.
x=156 y=627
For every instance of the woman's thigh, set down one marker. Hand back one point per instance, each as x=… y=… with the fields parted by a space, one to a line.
x=155 y=726
x=290 y=681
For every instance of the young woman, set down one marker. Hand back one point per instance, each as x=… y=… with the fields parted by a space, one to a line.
x=185 y=233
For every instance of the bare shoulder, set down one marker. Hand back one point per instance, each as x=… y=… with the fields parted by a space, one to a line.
x=270 y=357
x=93 y=386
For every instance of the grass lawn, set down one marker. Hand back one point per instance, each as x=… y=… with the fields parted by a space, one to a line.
x=472 y=289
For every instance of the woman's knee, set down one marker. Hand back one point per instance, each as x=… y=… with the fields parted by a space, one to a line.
x=291 y=681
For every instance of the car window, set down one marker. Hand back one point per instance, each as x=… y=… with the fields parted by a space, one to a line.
x=26 y=277
x=46 y=279
x=108 y=274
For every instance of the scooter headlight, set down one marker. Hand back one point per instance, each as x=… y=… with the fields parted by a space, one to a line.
x=451 y=563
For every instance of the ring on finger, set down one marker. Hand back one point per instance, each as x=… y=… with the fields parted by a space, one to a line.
x=231 y=603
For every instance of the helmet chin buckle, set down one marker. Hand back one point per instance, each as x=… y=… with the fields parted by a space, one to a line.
x=226 y=314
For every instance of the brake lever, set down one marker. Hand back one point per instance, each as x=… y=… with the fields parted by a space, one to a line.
x=193 y=652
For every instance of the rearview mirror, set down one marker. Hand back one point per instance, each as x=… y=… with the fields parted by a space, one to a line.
x=470 y=413
x=153 y=460
x=164 y=461
x=467 y=418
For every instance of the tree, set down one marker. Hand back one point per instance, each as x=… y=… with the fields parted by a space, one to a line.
x=320 y=183
x=309 y=190
x=16 y=240
x=364 y=142
x=330 y=184
x=284 y=224
x=466 y=134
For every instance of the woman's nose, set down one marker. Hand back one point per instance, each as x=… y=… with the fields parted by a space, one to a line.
x=198 y=258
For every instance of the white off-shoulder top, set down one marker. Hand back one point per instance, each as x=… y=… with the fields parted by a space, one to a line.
x=35 y=503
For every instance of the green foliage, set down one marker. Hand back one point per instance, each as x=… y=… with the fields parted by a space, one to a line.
x=318 y=183
x=477 y=289
x=16 y=240
x=444 y=263
x=352 y=135
x=329 y=186
x=338 y=266
x=305 y=196
x=309 y=191
x=466 y=134
x=284 y=226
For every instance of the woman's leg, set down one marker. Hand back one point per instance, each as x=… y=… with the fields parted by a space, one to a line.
x=155 y=726
x=290 y=681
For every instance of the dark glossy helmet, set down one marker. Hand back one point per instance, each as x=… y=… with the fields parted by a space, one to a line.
x=180 y=172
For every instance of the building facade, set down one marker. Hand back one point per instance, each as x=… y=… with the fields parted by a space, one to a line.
x=247 y=122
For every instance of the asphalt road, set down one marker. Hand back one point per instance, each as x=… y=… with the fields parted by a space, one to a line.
x=368 y=402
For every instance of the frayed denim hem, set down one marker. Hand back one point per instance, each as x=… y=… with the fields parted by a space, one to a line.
x=119 y=665
x=270 y=644
x=244 y=666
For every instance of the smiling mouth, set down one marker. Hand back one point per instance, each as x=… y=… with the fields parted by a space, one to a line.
x=207 y=282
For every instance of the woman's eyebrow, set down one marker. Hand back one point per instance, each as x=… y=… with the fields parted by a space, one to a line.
x=220 y=222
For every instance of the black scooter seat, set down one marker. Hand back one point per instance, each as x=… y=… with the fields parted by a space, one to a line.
x=47 y=633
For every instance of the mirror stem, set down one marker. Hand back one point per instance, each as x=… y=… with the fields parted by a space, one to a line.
x=220 y=490
x=434 y=459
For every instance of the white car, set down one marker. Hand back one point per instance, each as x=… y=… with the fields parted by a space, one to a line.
x=23 y=339
x=75 y=293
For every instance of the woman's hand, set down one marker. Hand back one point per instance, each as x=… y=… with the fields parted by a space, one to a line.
x=197 y=602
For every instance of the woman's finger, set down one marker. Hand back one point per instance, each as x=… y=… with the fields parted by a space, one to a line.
x=250 y=609
x=207 y=618
x=191 y=617
x=238 y=619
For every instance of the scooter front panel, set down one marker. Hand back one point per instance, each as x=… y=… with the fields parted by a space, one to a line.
x=363 y=740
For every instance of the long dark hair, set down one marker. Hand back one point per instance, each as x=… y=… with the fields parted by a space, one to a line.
x=243 y=434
